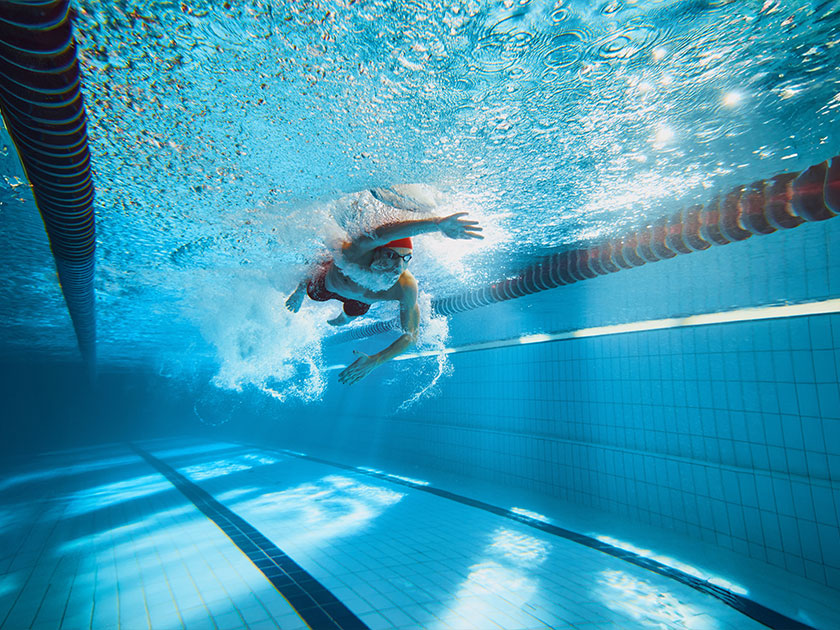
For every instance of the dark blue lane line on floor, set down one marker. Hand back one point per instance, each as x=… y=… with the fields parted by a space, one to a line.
x=317 y=606
x=748 y=607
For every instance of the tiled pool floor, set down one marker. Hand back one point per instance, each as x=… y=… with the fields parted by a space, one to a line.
x=102 y=539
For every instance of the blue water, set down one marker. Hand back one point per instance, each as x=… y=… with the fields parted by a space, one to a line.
x=233 y=147
x=219 y=136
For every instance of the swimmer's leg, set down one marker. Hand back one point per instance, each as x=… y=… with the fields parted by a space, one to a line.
x=294 y=301
x=341 y=319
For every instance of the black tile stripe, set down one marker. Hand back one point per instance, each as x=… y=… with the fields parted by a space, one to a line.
x=750 y=608
x=317 y=606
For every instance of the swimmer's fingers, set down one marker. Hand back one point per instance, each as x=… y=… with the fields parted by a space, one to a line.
x=357 y=370
x=454 y=227
x=469 y=225
x=351 y=376
x=347 y=374
x=469 y=233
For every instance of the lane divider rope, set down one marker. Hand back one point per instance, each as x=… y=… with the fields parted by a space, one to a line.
x=44 y=113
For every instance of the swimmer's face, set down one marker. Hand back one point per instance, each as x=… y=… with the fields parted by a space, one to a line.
x=390 y=259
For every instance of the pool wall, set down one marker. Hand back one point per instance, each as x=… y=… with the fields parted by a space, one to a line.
x=728 y=433
x=50 y=406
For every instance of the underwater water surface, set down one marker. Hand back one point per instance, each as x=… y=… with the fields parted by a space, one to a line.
x=234 y=145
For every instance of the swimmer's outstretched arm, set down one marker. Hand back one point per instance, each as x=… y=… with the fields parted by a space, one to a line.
x=453 y=226
x=410 y=319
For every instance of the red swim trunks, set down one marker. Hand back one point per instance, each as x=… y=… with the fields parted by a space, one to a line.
x=317 y=290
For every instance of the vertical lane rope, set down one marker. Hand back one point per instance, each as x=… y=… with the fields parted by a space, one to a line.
x=43 y=110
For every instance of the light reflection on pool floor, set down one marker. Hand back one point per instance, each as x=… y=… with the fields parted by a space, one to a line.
x=120 y=547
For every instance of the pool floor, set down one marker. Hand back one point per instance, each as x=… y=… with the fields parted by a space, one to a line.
x=191 y=534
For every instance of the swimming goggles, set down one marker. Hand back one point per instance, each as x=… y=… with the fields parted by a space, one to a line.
x=392 y=255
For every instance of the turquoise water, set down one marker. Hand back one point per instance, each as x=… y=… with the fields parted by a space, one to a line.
x=221 y=135
x=653 y=448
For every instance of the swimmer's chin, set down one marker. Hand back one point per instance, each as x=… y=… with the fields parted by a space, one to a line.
x=374 y=277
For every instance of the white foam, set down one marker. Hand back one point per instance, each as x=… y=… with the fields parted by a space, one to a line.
x=258 y=341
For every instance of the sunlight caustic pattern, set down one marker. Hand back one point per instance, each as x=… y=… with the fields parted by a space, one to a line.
x=330 y=507
x=508 y=568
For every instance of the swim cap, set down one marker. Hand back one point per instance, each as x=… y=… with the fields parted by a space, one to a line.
x=400 y=242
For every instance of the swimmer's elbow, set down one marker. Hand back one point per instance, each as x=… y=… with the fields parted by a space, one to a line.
x=411 y=334
x=358 y=246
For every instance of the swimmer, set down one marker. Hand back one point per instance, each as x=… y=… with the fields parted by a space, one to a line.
x=374 y=268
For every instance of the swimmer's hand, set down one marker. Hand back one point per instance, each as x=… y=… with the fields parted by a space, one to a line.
x=294 y=301
x=454 y=226
x=360 y=368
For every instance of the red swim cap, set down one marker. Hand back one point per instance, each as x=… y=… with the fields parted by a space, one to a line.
x=400 y=242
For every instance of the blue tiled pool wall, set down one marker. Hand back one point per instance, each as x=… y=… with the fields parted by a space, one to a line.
x=727 y=433
x=54 y=406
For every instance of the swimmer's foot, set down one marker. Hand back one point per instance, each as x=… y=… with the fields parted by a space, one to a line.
x=339 y=320
x=294 y=301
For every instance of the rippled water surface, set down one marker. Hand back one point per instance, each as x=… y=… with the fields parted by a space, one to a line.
x=228 y=140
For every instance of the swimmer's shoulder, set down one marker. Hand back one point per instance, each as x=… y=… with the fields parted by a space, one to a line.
x=407 y=280
x=408 y=286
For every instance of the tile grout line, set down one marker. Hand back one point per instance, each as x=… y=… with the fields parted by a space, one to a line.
x=682 y=459
x=316 y=605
